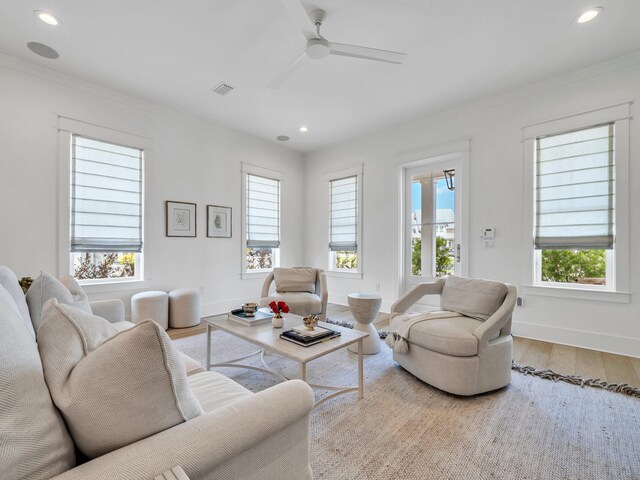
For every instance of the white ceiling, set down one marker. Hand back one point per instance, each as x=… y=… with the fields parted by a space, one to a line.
x=172 y=52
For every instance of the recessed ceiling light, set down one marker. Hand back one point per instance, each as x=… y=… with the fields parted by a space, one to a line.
x=304 y=129
x=282 y=138
x=589 y=15
x=47 y=17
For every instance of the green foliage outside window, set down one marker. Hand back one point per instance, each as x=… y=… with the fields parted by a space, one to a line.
x=347 y=260
x=88 y=266
x=259 y=258
x=574 y=266
x=444 y=258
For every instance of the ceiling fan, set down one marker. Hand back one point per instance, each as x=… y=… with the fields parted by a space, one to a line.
x=319 y=47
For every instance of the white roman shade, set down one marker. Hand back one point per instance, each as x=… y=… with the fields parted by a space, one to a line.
x=263 y=212
x=575 y=190
x=106 y=197
x=343 y=233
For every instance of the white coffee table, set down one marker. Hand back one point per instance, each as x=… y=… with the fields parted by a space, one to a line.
x=365 y=307
x=268 y=338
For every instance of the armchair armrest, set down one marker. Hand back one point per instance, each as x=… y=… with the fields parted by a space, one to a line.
x=500 y=320
x=323 y=293
x=266 y=285
x=111 y=310
x=416 y=293
x=204 y=443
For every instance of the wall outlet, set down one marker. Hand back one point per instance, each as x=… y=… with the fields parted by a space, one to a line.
x=377 y=287
x=520 y=302
x=201 y=289
x=490 y=243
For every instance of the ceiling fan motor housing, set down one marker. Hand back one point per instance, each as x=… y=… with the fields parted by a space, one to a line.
x=318 y=48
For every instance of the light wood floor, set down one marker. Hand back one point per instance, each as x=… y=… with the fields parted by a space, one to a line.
x=534 y=353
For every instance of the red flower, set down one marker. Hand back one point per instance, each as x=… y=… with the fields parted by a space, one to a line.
x=279 y=307
x=285 y=309
x=274 y=307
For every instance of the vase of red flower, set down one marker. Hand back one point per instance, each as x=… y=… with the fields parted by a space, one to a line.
x=278 y=308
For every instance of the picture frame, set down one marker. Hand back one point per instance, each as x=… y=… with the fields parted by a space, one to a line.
x=219 y=221
x=181 y=219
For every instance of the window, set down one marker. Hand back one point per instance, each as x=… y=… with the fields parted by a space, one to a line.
x=344 y=221
x=574 y=207
x=262 y=223
x=579 y=200
x=106 y=214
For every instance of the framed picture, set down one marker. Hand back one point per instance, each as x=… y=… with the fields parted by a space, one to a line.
x=218 y=221
x=181 y=219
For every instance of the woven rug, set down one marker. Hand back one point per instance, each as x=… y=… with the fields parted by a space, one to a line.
x=405 y=429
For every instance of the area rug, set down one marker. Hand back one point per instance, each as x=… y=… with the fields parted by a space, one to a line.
x=404 y=429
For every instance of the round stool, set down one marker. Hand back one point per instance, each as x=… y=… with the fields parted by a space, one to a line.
x=365 y=307
x=184 y=308
x=152 y=305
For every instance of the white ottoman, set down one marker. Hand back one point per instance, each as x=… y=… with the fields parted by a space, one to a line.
x=365 y=307
x=184 y=308
x=152 y=305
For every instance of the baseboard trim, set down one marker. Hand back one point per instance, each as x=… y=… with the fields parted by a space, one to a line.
x=578 y=338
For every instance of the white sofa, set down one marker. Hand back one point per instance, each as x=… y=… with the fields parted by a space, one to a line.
x=241 y=435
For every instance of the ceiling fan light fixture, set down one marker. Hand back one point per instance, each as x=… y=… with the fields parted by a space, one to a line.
x=318 y=48
x=47 y=17
x=589 y=15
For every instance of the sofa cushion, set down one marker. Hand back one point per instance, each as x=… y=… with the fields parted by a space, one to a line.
x=214 y=390
x=46 y=287
x=298 y=279
x=34 y=442
x=113 y=390
x=451 y=336
x=474 y=298
x=300 y=303
x=9 y=281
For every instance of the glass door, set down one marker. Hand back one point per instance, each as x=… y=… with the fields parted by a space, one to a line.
x=432 y=222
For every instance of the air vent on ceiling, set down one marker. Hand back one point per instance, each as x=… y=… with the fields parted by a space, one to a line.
x=222 y=89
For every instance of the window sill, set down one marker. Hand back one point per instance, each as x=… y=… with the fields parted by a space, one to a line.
x=577 y=293
x=121 y=286
x=255 y=275
x=338 y=274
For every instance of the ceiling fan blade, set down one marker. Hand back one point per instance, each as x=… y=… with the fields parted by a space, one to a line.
x=367 y=53
x=286 y=73
x=301 y=17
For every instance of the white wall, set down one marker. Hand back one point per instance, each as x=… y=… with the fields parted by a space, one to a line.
x=494 y=126
x=190 y=160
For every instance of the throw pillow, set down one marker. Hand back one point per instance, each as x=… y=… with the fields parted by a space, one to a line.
x=34 y=441
x=9 y=281
x=46 y=287
x=297 y=279
x=472 y=297
x=112 y=390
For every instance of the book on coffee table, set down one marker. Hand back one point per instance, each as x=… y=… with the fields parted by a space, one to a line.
x=303 y=343
x=261 y=316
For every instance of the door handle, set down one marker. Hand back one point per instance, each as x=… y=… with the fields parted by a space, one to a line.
x=458 y=253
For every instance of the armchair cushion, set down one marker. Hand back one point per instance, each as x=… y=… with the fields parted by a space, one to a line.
x=300 y=303
x=450 y=336
x=113 y=390
x=34 y=441
x=46 y=287
x=214 y=390
x=471 y=297
x=297 y=279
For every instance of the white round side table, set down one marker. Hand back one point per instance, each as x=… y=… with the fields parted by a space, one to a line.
x=365 y=307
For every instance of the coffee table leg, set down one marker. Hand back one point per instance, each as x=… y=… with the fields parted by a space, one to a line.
x=303 y=372
x=361 y=369
x=208 y=347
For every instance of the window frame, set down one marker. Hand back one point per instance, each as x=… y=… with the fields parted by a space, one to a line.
x=358 y=172
x=247 y=169
x=617 y=283
x=67 y=127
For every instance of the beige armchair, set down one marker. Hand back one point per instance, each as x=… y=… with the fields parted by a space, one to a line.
x=466 y=348
x=303 y=288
